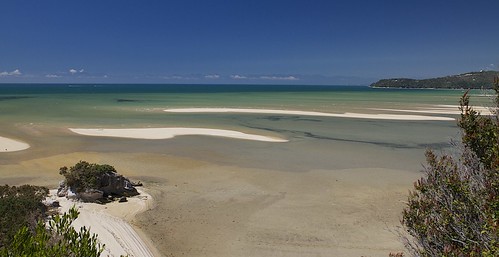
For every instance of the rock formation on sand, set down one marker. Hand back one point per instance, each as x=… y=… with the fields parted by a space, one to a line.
x=94 y=183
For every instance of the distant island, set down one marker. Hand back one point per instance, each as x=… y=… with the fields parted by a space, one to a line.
x=475 y=80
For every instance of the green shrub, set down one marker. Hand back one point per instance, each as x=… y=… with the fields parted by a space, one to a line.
x=84 y=175
x=20 y=206
x=58 y=239
x=454 y=209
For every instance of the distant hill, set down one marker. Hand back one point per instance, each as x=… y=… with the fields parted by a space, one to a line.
x=482 y=79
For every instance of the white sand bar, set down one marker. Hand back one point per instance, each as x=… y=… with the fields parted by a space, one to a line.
x=165 y=133
x=109 y=223
x=11 y=145
x=311 y=113
x=439 y=109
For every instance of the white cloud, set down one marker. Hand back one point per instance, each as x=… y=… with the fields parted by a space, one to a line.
x=52 y=76
x=279 y=78
x=16 y=72
x=74 y=71
x=173 y=77
x=212 y=76
x=238 y=77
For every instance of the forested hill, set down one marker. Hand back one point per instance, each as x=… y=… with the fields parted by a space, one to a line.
x=482 y=79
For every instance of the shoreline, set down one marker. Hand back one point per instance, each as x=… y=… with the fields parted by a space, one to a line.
x=11 y=145
x=167 y=133
x=311 y=113
x=113 y=223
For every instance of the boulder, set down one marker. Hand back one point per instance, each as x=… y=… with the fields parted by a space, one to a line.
x=91 y=195
x=71 y=195
x=111 y=185
x=62 y=190
x=115 y=184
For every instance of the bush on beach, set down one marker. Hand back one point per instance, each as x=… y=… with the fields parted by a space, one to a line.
x=83 y=175
x=454 y=209
x=57 y=239
x=20 y=206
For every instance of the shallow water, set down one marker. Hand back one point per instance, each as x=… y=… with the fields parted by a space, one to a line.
x=40 y=114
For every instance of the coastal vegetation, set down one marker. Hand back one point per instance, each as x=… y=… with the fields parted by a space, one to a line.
x=27 y=229
x=57 y=239
x=85 y=176
x=93 y=182
x=470 y=80
x=20 y=206
x=454 y=209
x=24 y=230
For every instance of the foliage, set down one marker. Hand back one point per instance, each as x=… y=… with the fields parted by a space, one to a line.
x=454 y=209
x=477 y=80
x=58 y=239
x=20 y=206
x=84 y=175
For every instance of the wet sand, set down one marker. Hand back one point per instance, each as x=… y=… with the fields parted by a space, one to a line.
x=207 y=209
x=216 y=196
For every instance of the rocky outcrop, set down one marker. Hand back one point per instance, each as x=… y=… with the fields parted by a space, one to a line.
x=112 y=185
x=117 y=185
x=91 y=195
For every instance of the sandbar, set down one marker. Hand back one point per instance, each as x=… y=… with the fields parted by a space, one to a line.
x=438 y=109
x=11 y=145
x=110 y=223
x=376 y=116
x=166 y=133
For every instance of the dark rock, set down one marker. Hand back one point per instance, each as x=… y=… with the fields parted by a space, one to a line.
x=108 y=185
x=115 y=184
x=137 y=184
x=91 y=195
x=123 y=199
x=55 y=204
x=62 y=190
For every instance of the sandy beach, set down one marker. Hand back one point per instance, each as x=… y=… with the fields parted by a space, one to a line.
x=11 y=145
x=311 y=113
x=166 y=133
x=204 y=206
x=111 y=222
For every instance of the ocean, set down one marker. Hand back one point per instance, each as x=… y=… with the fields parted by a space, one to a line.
x=32 y=112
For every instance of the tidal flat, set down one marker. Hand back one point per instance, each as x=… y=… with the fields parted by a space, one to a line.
x=335 y=187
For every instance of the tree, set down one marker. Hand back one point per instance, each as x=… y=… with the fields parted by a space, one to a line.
x=20 y=206
x=84 y=175
x=58 y=239
x=454 y=209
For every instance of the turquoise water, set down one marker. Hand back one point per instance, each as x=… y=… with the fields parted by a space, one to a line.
x=32 y=112
x=105 y=104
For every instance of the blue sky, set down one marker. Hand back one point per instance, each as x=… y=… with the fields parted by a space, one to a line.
x=271 y=41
